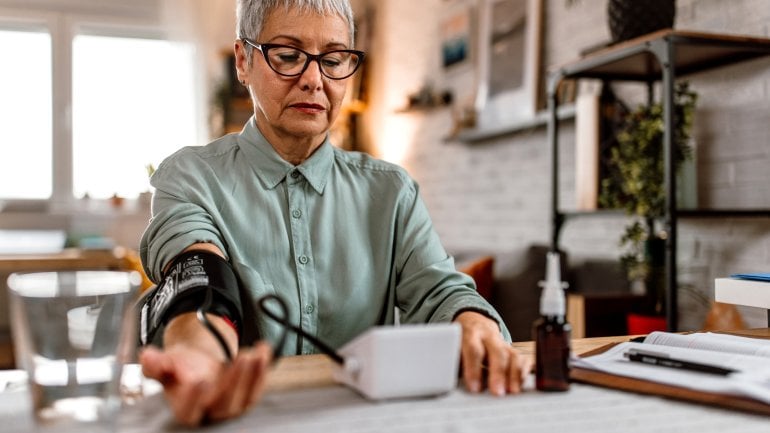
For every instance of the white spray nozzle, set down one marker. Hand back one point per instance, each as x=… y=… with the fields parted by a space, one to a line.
x=553 y=272
x=552 y=298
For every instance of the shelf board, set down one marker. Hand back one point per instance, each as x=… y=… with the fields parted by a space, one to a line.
x=681 y=213
x=723 y=213
x=540 y=119
x=693 y=52
x=422 y=108
x=594 y=213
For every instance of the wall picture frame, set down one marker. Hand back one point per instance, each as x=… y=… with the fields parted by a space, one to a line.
x=457 y=35
x=508 y=63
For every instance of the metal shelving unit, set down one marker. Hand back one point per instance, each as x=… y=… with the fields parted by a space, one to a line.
x=661 y=56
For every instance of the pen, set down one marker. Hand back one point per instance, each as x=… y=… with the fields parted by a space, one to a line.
x=664 y=360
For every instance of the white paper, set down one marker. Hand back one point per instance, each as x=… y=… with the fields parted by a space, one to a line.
x=752 y=380
x=712 y=341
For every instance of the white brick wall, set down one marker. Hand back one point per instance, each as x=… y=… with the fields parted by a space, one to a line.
x=495 y=195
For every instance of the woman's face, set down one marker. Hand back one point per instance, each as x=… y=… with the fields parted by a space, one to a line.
x=301 y=108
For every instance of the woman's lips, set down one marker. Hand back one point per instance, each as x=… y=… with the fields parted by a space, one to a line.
x=309 y=108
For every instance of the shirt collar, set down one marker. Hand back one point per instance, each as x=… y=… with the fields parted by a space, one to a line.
x=272 y=169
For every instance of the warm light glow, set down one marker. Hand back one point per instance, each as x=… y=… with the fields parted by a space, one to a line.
x=398 y=135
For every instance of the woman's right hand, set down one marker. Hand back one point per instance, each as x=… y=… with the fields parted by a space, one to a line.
x=199 y=384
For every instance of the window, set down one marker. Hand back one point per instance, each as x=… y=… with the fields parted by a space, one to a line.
x=25 y=110
x=132 y=105
x=90 y=108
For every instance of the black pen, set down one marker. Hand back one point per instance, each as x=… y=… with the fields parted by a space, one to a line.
x=663 y=360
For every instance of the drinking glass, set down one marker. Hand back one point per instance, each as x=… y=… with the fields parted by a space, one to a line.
x=73 y=332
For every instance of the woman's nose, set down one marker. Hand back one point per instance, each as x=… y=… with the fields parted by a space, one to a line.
x=311 y=78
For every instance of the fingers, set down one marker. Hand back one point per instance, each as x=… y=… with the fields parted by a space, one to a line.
x=199 y=389
x=265 y=354
x=485 y=353
x=517 y=371
x=505 y=368
x=472 y=355
x=183 y=396
x=156 y=365
x=499 y=360
x=187 y=405
x=241 y=385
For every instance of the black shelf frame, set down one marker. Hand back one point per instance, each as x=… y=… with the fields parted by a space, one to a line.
x=661 y=56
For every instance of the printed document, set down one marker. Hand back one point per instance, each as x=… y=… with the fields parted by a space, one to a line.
x=745 y=355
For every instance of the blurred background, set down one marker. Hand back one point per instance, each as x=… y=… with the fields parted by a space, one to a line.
x=95 y=93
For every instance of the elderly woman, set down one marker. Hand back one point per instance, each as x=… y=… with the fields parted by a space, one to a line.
x=276 y=209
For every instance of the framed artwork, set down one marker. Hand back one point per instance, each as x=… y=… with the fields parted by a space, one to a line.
x=509 y=63
x=456 y=36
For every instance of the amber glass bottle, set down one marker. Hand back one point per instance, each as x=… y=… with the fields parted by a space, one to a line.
x=552 y=341
x=552 y=332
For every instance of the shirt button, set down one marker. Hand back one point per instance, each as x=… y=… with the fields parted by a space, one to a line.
x=295 y=174
x=303 y=259
x=309 y=308
x=296 y=213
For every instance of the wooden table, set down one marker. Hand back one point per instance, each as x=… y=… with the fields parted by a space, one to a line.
x=302 y=397
x=309 y=371
x=69 y=259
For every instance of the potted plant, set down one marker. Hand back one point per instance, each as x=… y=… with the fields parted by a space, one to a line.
x=145 y=197
x=635 y=182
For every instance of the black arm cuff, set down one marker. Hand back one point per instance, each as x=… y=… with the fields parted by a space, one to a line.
x=183 y=290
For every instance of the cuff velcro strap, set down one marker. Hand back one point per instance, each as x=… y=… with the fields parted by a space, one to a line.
x=183 y=290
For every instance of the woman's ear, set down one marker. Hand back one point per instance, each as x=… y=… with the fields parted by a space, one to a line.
x=241 y=62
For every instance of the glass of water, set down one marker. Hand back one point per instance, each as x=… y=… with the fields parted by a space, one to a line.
x=73 y=332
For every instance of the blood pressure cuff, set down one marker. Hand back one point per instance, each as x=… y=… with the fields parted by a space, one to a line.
x=183 y=290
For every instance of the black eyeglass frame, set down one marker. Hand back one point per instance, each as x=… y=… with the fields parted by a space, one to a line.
x=264 y=48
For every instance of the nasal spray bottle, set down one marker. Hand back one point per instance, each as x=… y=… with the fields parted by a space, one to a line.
x=552 y=332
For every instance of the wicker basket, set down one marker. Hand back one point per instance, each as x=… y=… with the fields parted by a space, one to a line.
x=631 y=18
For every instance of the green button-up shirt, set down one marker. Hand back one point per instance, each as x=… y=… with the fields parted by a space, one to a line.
x=343 y=238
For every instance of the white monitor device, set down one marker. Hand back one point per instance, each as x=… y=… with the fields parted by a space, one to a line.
x=405 y=361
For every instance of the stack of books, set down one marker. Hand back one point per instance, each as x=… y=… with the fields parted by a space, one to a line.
x=751 y=290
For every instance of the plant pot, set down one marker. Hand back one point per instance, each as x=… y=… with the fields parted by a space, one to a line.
x=655 y=255
x=145 y=199
x=628 y=19
x=640 y=324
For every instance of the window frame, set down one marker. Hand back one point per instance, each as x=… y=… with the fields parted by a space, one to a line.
x=63 y=26
x=15 y=20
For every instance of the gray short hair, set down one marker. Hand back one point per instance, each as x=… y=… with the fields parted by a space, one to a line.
x=251 y=14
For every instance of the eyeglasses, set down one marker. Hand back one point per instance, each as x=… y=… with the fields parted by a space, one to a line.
x=291 y=62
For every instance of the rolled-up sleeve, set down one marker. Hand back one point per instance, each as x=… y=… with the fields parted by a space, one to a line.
x=179 y=214
x=429 y=288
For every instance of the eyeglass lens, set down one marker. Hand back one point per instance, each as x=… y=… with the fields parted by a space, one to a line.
x=291 y=61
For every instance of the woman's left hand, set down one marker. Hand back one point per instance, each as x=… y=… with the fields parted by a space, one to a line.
x=483 y=348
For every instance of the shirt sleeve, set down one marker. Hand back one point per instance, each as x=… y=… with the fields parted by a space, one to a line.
x=180 y=215
x=429 y=288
